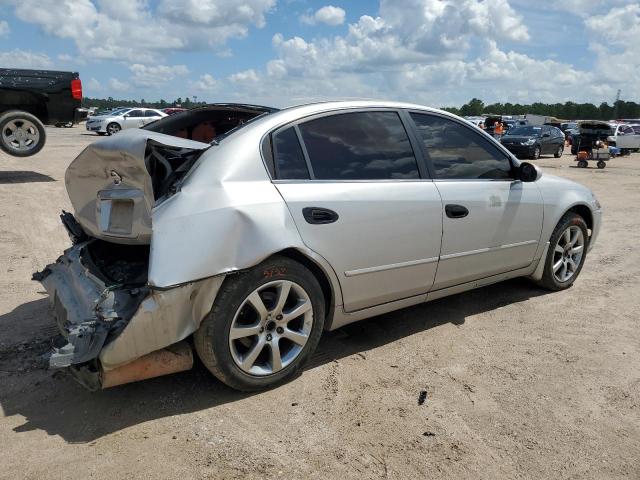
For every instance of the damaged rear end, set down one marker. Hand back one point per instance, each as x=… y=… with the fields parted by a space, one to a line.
x=115 y=325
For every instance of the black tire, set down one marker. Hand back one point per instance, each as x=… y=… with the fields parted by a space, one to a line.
x=19 y=117
x=113 y=128
x=559 y=152
x=211 y=340
x=583 y=164
x=536 y=153
x=101 y=133
x=549 y=281
x=601 y=164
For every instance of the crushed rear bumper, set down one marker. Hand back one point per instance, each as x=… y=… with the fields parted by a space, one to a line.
x=104 y=326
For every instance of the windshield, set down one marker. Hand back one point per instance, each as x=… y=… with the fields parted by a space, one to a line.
x=526 y=131
x=117 y=112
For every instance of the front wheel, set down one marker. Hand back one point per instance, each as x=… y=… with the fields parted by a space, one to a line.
x=567 y=252
x=21 y=134
x=583 y=164
x=263 y=326
x=601 y=164
x=536 y=153
x=113 y=128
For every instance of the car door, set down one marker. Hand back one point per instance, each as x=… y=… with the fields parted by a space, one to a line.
x=491 y=222
x=546 y=143
x=353 y=184
x=626 y=137
x=134 y=119
x=151 y=116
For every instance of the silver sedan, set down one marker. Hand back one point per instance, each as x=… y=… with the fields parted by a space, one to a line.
x=252 y=230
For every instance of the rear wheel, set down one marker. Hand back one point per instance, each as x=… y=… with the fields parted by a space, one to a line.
x=583 y=164
x=601 y=164
x=567 y=252
x=559 y=151
x=263 y=326
x=113 y=128
x=21 y=134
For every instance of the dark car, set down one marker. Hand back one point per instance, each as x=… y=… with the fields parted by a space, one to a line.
x=30 y=99
x=533 y=141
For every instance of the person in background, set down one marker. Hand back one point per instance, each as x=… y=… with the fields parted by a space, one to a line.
x=498 y=130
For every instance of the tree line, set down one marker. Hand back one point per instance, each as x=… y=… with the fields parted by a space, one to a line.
x=109 y=103
x=475 y=107
x=567 y=110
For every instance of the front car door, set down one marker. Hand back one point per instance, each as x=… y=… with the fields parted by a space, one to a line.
x=353 y=184
x=134 y=119
x=546 y=141
x=491 y=222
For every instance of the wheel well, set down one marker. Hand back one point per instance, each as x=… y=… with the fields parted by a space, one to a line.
x=323 y=280
x=585 y=213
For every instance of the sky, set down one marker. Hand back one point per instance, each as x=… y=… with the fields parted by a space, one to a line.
x=284 y=52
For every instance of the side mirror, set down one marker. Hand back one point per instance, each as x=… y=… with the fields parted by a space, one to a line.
x=528 y=172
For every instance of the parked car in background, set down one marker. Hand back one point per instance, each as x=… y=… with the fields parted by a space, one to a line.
x=30 y=99
x=624 y=137
x=565 y=126
x=290 y=223
x=112 y=122
x=533 y=141
x=172 y=110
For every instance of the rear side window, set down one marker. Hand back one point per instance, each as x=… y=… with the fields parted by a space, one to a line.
x=359 y=146
x=288 y=157
x=136 y=113
x=151 y=113
x=458 y=152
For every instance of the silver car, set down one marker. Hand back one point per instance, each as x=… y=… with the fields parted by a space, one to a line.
x=252 y=230
x=121 y=119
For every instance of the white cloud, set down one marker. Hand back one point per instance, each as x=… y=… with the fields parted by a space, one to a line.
x=329 y=15
x=18 y=58
x=4 y=29
x=246 y=77
x=118 y=85
x=205 y=83
x=134 y=31
x=94 y=86
x=152 y=75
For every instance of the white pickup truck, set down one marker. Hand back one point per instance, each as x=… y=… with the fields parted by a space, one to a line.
x=625 y=137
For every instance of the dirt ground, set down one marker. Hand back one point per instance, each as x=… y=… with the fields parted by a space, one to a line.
x=520 y=383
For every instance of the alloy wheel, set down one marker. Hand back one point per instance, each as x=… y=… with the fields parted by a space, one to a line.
x=271 y=327
x=113 y=128
x=567 y=254
x=21 y=135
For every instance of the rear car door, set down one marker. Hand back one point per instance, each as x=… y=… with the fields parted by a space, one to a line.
x=354 y=186
x=492 y=222
x=150 y=116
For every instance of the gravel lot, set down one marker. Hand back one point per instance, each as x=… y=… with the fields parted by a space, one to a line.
x=520 y=383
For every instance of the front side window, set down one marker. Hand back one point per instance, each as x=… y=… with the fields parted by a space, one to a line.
x=359 y=146
x=135 y=113
x=288 y=157
x=458 y=152
x=151 y=113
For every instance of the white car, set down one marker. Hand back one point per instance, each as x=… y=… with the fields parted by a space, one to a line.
x=625 y=137
x=122 y=119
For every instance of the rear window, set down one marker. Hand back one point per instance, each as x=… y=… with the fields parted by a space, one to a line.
x=289 y=160
x=359 y=146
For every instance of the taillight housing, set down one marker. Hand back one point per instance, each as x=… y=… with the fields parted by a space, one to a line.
x=76 y=89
